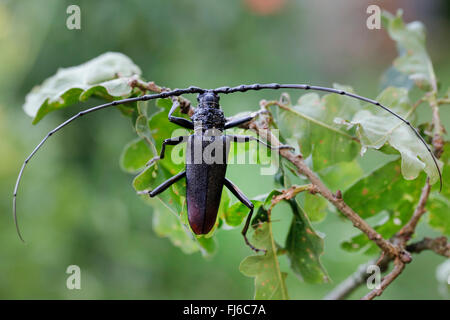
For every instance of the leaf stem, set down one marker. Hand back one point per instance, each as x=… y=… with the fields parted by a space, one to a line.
x=443 y=101
x=277 y=264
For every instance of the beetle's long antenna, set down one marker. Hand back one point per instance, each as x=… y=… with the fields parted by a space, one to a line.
x=274 y=86
x=176 y=92
x=225 y=90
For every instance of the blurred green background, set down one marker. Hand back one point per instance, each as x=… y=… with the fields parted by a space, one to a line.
x=75 y=204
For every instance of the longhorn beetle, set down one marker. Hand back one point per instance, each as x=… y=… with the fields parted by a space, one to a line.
x=205 y=179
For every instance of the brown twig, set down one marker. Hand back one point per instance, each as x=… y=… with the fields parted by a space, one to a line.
x=443 y=101
x=292 y=192
x=346 y=287
x=359 y=277
x=438 y=245
x=185 y=104
x=438 y=129
x=408 y=229
x=387 y=280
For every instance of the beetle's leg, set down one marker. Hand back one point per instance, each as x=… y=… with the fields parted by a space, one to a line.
x=237 y=138
x=182 y=122
x=238 y=122
x=171 y=142
x=163 y=186
x=242 y=198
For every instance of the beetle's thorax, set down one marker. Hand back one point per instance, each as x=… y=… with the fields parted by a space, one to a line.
x=208 y=114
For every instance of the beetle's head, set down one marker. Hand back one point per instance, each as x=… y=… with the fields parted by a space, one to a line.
x=208 y=99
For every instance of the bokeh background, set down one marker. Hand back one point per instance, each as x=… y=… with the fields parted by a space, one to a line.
x=76 y=206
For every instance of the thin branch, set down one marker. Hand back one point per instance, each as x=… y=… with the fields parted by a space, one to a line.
x=438 y=245
x=292 y=192
x=359 y=277
x=438 y=129
x=346 y=287
x=443 y=101
x=185 y=104
x=387 y=280
x=408 y=229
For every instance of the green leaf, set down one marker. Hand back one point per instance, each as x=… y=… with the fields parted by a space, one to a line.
x=389 y=224
x=413 y=58
x=445 y=158
x=174 y=197
x=207 y=245
x=142 y=129
x=342 y=175
x=247 y=153
x=310 y=125
x=153 y=176
x=304 y=247
x=394 y=78
x=439 y=216
x=383 y=191
x=164 y=169
x=235 y=214
x=159 y=125
x=375 y=128
x=135 y=155
x=314 y=206
x=439 y=203
x=337 y=177
x=106 y=76
x=269 y=280
x=166 y=224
